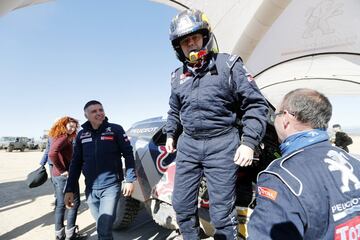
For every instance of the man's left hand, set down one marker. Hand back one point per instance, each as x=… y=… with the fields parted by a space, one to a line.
x=128 y=189
x=244 y=156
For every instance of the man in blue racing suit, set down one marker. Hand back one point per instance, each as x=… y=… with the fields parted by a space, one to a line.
x=313 y=191
x=208 y=94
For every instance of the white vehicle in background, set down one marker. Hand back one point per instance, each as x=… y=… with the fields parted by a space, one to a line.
x=20 y=143
x=32 y=144
x=4 y=142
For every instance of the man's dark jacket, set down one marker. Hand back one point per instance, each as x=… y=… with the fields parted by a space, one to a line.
x=98 y=154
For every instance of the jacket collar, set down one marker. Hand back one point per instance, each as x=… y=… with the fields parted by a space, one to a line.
x=302 y=139
x=87 y=126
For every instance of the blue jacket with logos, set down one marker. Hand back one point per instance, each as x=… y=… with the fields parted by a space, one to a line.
x=98 y=154
x=207 y=101
x=312 y=193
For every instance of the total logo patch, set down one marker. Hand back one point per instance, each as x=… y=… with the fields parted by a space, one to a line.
x=349 y=230
x=267 y=192
x=109 y=138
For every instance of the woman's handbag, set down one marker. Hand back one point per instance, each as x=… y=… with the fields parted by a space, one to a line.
x=37 y=177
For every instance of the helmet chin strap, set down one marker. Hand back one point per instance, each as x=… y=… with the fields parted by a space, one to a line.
x=195 y=56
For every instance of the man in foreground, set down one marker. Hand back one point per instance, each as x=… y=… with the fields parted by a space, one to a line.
x=313 y=190
x=208 y=94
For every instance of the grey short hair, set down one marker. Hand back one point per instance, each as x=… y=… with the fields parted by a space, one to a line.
x=308 y=106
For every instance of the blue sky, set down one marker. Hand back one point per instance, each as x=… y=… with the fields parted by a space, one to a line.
x=58 y=55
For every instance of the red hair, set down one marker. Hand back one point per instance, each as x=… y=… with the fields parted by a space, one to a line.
x=59 y=127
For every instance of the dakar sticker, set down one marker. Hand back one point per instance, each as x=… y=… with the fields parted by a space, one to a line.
x=267 y=192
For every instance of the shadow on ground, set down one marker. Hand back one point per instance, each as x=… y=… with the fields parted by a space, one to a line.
x=24 y=195
x=149 y=229
x=45 y=220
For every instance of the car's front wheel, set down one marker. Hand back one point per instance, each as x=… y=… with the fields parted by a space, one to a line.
x=163 y=214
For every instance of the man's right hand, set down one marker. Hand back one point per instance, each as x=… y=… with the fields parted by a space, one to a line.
x=69 y=200
x=244 y=156
x=170 y=145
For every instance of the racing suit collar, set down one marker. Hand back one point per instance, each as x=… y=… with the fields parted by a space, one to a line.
x=205 y=66
x=302 y=139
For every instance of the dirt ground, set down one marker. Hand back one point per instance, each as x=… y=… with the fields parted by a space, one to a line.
x=27 y=214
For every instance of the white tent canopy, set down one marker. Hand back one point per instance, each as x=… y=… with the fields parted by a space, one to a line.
x=288 y=44
x=9 y=5
x=330 y=74
x=237 y=24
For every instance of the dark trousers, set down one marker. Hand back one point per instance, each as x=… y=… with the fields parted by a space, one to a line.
x=212 y=158
x=59 y=184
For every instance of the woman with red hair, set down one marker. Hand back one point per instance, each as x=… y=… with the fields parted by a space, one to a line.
x=62 y=133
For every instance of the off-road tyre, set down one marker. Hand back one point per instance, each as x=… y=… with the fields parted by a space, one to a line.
x=126 y=211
